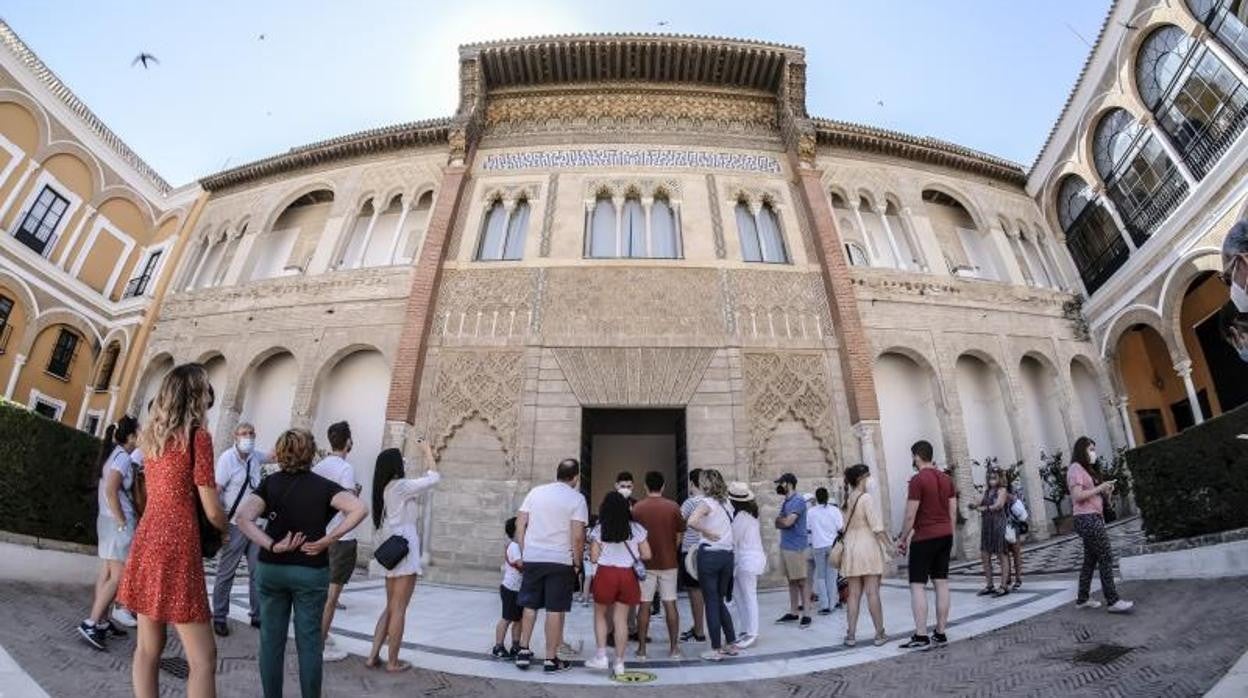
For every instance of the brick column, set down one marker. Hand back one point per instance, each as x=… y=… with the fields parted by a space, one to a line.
x=421 y=301
x=855 y=350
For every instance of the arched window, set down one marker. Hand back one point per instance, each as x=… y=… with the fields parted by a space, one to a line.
x=664 y=234
x=769 y=236
x=1093 y=239
x=747 y=230
x=1228 y=20
x=602 y=229
x=857 y=255
x=633 y=228
x=502 y=234
x=1198 y=101
x=1141 y=180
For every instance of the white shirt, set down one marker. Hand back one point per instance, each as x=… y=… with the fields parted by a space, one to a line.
x=120 y=462
x=335 y=469
x=552 y=508
x=233 y=472
x=402 y=497
x=717 y=521
x=620 y=554
x=747 y=544
x=825 y=522
x=511 y=575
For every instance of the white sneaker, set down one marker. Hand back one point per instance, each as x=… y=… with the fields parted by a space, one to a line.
x=618 y=668
x=1090 y=603
x=599 y=661
x=124 y=617
x=1120 y=606
x=745 y=641
x=332 y=653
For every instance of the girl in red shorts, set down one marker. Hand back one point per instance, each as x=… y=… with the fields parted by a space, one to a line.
x=619 y=543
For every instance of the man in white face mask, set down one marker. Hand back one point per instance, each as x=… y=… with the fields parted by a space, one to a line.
x=1235 y=264
x=237 y=473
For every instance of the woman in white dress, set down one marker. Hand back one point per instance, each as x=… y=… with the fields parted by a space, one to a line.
x=749 y=561
x=865 y=553
x=395 y=513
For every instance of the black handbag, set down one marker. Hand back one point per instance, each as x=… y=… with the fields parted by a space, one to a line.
x=391 y=552
x=210 y=538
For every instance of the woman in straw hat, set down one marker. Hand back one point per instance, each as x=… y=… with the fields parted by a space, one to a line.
x=749 y=560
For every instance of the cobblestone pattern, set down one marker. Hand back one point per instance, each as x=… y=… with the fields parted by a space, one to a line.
x=1065 y=554
x=1184 y=637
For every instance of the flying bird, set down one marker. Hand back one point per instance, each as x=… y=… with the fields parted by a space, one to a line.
x=663 y=23
x=261 y=37
x=880 y=103
x=1128 y=25
x=145 y=59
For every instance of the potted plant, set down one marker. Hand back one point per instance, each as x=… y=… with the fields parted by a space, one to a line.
x=1053 y=473
x=1116 y=470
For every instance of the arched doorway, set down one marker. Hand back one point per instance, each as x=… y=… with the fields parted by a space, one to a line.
x=1216 y=368
x=1156 y=396
x=984 y=416
x=909 y=412
x=268 y=396
x=156 y=372
x=216 y=378
x=1088 y=395
x=354 y=390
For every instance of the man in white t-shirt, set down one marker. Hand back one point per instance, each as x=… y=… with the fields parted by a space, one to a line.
x=342 y=553
x=237 y=473
x=550 y=529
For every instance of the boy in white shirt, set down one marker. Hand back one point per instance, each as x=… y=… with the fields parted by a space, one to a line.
x=509 y=592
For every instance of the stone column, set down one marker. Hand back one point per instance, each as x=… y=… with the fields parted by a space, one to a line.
x=18 y=361
x=1099 y=196
x=199 y=264
x=398 y=232
x=112 y=404
x=866 y=234
x=1125 y=415
x=82 y=409
x=368 y=236
x=892 y=240
x=1184 y=369
x=867 y=432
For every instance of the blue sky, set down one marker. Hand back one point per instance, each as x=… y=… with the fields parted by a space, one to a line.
x=991 y=75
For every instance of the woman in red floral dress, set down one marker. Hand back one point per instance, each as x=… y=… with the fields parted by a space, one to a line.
x=164 y=578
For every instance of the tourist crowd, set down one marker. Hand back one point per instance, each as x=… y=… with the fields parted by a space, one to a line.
x=164 y=506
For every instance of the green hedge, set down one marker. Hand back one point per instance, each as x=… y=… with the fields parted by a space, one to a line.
x=1196 y=482
x=47 y=477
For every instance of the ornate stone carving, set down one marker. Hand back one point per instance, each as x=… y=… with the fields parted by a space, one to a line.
x=548 y=216
x=485 y=303
x=642 y=187
x=478 y=384
x=771 y=305
x=788 y=385
x=512 y=192
x=606 y=303
x=633 y=376
x=617 y=158
x=717 y=223
x=624 y=107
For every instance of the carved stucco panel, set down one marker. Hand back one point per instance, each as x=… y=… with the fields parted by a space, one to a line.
x=786 y=385
x=487 y=303
x=633 y=376
x=485 y=385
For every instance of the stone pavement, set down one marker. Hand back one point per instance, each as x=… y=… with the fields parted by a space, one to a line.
x=1064 y=554
x=1183 y=638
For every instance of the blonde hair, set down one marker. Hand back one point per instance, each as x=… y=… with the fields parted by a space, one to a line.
x=711 y=482
x=180 y=403
x=295 y=450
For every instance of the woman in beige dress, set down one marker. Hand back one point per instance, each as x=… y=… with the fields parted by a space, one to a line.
x=862 y=563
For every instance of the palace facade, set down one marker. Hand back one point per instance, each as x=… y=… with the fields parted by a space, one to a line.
x=643 y=251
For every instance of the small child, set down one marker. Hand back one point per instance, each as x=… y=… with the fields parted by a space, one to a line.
x=587 y=565
x=509 y=592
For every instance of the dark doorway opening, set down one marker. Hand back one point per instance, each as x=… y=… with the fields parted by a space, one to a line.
x=1229 y=373
x=636 y=440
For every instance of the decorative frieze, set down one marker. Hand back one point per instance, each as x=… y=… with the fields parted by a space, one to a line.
x=604 y=303
x=778 y=305
x=633 y=376
x=656 y=158
x=493 y=304
x=640 y=187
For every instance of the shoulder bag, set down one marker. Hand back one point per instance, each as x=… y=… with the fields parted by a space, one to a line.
x=393 y=549
x=639 y=567
x=837 y=553
x=210 y=539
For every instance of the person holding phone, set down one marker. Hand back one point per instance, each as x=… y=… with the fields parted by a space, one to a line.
x=1089 y=507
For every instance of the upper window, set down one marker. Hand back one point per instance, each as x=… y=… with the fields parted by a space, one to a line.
x=1198 y=101
x=502 y=233
x=641 y=230
x=1227 y=20
x=761 y=239
x=41 y=221
x=1141 y=180
x=63 y=353
x=1092 y=237
x=6 y=309
x=139 y=284
x=108 y=364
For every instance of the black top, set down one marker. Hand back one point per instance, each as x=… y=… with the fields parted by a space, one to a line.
x=298 y=502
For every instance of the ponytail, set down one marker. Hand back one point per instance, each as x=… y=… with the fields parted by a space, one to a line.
x=116 y=435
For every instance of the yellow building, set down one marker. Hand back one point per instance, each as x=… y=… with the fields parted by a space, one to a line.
x=88 y=233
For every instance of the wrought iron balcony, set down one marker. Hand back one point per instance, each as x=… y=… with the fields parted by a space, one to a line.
x=1143 y=210
x=1096 y=246
x=1202 y=145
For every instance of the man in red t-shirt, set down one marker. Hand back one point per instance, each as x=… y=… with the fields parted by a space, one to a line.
x=664 y=528
x=931 y=509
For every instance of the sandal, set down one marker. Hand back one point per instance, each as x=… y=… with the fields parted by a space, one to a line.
x=880 y=638
x=850 y=641
x=987 y=591
x=1018 y=584
x=372 y=662
x=1000 y=592
x=397 y=668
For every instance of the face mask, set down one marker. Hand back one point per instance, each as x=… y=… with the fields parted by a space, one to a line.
x=780 y=490
x=625 y=491
x=1092 y=455
x=246 y=443
x=1239 y=296
x=1243 y=354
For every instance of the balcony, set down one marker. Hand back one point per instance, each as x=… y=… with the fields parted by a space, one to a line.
x=1096 y=246
x=1145 y=201
x=1202 y=145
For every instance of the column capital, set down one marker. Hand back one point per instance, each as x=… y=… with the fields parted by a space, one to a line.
x=1183 y=368
x=865 y=429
